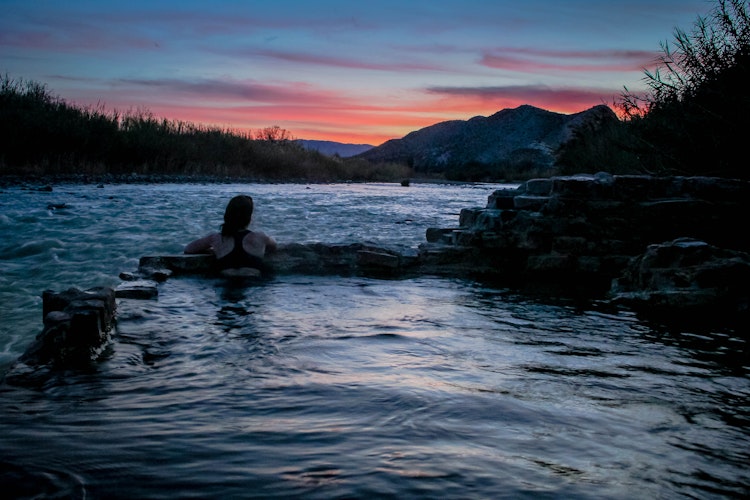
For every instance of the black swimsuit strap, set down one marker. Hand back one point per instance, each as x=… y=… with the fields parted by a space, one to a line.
x=238 y=257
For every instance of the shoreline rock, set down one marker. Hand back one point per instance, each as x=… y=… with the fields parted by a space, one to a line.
x=686 y=279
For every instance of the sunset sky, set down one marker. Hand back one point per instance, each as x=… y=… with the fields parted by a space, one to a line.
x=347 y=71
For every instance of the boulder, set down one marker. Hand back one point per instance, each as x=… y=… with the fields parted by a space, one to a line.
x=77 y=325
x=687 y=279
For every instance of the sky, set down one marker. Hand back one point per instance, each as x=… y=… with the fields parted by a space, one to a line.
x=345 y=71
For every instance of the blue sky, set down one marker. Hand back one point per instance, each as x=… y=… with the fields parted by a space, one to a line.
x=360 y=72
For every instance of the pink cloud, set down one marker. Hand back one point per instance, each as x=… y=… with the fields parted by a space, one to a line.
x=529 y=60
x=217 y=91
x=562 y=100
x=249 y=105
x=340 y=62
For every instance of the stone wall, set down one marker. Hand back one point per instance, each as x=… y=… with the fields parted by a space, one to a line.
x=590 y=226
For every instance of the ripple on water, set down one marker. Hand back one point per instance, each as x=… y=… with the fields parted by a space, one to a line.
x=324 y=387
x=30 y=482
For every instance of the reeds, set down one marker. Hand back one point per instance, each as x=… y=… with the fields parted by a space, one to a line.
x=41 y=134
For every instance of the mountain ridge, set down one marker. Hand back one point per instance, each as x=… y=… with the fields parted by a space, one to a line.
x=522 y=136
x=331 y=148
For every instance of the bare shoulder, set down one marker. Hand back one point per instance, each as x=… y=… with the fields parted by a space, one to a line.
x=206 y=244
x=267 y=240
x=258 y=242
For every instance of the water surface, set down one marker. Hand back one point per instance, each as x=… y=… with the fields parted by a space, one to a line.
x=347 y=387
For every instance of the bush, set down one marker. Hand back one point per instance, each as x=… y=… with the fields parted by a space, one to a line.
x=693 y=119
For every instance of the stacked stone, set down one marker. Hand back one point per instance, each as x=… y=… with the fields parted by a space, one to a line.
x=291 y=258
x=591 y=225
x=77 y=325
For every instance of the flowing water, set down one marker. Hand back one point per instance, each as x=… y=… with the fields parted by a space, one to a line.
x=346 y=387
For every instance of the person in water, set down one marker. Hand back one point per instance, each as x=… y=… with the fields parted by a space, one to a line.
x=238 y=251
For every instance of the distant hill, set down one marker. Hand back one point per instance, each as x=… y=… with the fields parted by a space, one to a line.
x=523 y=137
x=331 y=148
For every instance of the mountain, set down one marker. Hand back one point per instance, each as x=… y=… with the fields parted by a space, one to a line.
x=335 y=148
x=522 y=137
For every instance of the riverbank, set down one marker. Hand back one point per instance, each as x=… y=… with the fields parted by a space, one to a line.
x=42 y=182
x=37 y=181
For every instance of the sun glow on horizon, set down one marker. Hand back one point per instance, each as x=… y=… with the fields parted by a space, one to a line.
x=353 y=73
x=350 y=122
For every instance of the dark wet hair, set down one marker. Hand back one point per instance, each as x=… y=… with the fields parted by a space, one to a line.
x=237 y=215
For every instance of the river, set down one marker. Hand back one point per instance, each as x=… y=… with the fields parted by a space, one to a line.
x=346 y=386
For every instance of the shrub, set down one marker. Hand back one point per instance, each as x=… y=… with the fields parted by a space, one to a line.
x=694 y=117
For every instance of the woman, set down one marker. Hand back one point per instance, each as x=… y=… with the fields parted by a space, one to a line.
x=238 y=251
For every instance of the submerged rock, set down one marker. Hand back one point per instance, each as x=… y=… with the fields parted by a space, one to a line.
x=77 y=325
x=137 y=289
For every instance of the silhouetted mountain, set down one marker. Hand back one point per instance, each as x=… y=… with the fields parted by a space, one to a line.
x=335 y=148
x=523 y=137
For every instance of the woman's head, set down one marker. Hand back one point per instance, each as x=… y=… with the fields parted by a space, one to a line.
x=237 y=215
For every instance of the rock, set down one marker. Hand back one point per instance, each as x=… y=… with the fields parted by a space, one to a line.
x=176 y=264
x=378 y=259
x=582 y=232
x=586 y=227
x=160 y=275
x=687 y=279
x=314 y=258
x=293 y=258
x=440 y=235
x=140 y=289
x=76 y=327
x=129 y=276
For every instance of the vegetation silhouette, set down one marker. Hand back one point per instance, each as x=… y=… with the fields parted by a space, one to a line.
x=42 y=135
x=693 y=118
